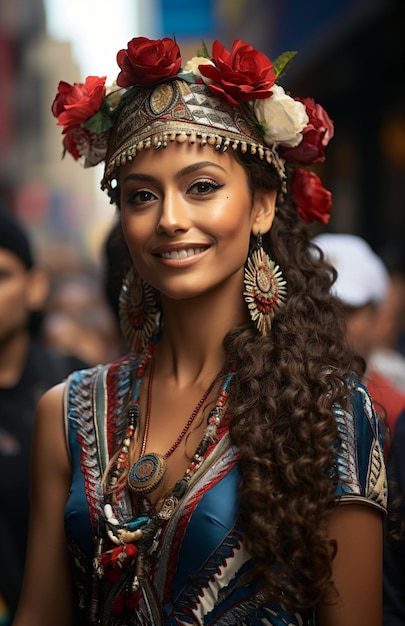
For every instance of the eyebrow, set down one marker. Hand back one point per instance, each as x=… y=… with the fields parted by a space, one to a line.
x=194 y=167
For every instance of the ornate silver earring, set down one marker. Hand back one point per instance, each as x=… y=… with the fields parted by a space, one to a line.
x=138 y=311
x=265 y=288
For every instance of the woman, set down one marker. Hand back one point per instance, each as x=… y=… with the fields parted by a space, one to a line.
x=204 y=473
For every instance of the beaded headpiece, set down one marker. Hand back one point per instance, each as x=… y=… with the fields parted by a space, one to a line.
x=226 y=99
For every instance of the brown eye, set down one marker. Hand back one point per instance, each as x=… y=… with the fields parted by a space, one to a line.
x=204 y=187
x=140 y=196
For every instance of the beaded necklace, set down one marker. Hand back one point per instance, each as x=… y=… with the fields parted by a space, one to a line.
x=145 y=529
x=148 y=471
x=128 y=560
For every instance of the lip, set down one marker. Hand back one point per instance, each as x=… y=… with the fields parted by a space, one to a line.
x=180 y=255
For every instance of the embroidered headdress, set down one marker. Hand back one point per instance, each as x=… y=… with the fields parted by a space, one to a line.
x=229 y=100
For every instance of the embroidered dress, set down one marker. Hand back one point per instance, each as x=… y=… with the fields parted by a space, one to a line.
x=203 y=573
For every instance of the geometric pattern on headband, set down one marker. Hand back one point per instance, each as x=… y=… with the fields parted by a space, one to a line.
x=179 y=111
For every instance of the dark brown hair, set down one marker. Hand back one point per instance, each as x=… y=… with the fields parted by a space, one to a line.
x=282 y=399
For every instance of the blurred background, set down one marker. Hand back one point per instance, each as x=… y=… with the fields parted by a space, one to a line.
x=351 y=60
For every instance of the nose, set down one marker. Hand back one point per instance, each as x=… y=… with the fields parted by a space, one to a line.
x=173 y=217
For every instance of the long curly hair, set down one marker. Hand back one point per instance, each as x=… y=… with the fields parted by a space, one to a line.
x=285 y=387
x=283 y=393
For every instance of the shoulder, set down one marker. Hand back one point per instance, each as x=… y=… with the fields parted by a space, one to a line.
x=119 y=369
x=97 y=390
x=359 y=451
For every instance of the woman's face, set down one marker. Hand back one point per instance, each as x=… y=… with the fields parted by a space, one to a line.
x=187 y=215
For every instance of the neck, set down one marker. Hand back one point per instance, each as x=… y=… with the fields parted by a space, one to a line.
x=191 y=347
x=13 y=354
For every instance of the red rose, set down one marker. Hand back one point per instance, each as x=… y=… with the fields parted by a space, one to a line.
x=70 y=145
x=315 y=136
x=240 y=75
x=148 y=61
x=76 y=103
x=311 y=199
x=58 y=105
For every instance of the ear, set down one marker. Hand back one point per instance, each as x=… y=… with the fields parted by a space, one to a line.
x=263 y=211
x=37 y=289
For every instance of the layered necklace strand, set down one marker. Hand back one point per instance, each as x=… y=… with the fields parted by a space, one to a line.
x=148 y=471
x=144 y=529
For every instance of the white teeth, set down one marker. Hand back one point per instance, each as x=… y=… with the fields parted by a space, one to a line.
x=181 y=254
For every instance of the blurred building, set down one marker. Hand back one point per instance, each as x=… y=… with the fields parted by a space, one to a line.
x=59 y=204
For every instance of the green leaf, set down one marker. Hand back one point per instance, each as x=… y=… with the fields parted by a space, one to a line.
x=203 y=51
x=98 y=123
x=282 y=61
x=189 y=77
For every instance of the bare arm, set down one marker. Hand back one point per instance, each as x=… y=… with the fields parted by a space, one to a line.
x=357 y=568
x=46 y=594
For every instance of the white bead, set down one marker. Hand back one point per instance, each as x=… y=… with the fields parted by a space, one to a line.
x=113 y=538
x=108 y=512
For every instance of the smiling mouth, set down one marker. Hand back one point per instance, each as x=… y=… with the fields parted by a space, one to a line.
x=181 y=254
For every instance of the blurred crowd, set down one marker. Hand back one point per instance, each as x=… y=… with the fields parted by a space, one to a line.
x=50 y=325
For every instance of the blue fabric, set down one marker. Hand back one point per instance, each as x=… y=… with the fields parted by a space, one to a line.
x=212 y=520
x=205 y=566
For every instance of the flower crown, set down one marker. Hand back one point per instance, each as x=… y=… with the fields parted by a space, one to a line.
x=296 y=129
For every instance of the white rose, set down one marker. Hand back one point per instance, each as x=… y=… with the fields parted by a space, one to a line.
x=281 y=117
x=192 y=65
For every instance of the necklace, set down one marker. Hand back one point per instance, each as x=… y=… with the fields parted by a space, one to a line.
x=148 y=471
x=136 y=541
x=144 y=529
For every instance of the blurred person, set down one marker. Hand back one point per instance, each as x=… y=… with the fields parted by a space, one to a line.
x=116 y=264
x=27 y=370
x=386 y=357
x=89 y=334
x=78 y=319
x=74 y=292
x=363 y=285
x=229 y=468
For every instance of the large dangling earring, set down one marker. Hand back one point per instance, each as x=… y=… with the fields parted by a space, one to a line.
x=138 y=311
x=265 y=288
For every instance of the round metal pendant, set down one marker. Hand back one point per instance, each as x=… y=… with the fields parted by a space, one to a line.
x=147 y=473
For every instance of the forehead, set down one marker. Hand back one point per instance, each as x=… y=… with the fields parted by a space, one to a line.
x=176 y=157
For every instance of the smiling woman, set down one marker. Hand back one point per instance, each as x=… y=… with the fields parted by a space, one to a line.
x=170 y=216
x=201 y=476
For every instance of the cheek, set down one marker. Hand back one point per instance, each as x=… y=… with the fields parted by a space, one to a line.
x=135 y=232
x=14 y=308
x=232 y=218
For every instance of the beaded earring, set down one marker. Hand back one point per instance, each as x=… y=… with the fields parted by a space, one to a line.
x=265 y=288
x=138 y=311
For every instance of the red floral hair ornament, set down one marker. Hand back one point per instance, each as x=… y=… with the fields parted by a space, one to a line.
x=252 y=111
x=241 y=75
x=75 y=103
x=315 y=136
x=148 y=62
x=312 y=201
x=84 y=109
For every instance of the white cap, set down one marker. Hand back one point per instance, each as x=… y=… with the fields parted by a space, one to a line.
x=362 y=276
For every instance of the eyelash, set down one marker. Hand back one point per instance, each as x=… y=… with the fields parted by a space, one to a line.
x=135 y=196
x=213 y=186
